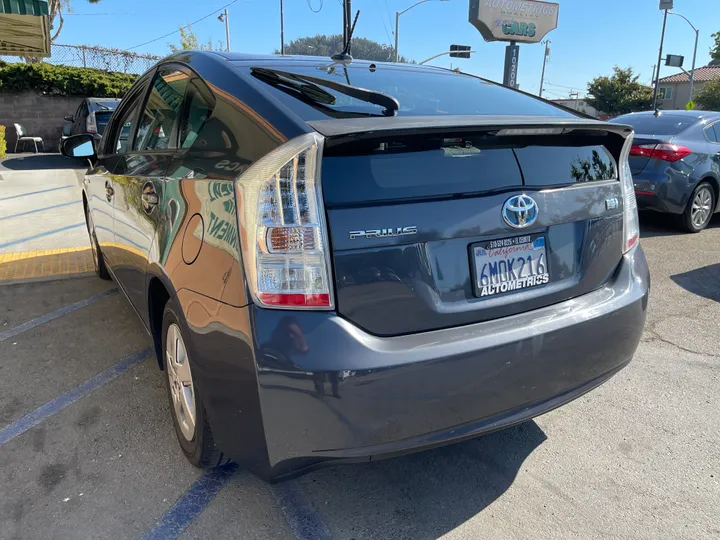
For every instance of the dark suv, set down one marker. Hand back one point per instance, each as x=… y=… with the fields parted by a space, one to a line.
x=339 y=261
x=92 y=116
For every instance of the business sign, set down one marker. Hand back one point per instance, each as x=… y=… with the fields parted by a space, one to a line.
x=512 y=56
x=525 y=21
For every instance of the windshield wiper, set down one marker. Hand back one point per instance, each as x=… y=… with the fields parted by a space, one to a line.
x=390 y=104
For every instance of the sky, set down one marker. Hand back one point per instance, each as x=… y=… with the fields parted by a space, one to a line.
x=592 y=35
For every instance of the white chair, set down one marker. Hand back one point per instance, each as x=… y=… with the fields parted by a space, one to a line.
x=23 y=137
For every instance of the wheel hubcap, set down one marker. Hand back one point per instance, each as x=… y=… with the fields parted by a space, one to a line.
x=181 y=384
x=701 y=207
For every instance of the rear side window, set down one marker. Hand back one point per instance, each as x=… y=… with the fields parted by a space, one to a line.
x=560 y=165
x=199 y=109
x=156 y=129
x=713 y=133
x=664 y=124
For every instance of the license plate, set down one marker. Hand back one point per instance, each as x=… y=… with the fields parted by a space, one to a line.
x=509 y=264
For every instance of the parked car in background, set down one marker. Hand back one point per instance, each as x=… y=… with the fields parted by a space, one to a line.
x=339 y=261
x=675 y=163
x=92 y=116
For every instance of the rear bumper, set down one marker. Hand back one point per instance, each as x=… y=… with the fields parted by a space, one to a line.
x=666 y=190
x=329 y=391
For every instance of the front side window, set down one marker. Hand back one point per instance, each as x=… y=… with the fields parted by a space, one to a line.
x=158 y=124
x=125 y=126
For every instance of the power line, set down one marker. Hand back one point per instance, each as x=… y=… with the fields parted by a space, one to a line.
x=184 y=27
x=382 y=20
x=562 y=86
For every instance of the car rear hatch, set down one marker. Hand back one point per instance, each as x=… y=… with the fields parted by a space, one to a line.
x=437 y=222
x=101 y=119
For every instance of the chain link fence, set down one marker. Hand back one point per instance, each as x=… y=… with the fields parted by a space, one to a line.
x=96 y=57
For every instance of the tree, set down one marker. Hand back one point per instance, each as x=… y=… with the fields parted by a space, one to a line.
x=620 y=93
x=189 y=42
x=324 y=45
x=55 y=9
x=708 y=97
x=715 y=49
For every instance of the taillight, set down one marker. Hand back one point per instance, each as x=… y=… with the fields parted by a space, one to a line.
x=663 y=151
x=631 y=223
x=90 y=124
x=283 y=233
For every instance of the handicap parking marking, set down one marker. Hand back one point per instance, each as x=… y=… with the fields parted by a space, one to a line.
x=33 y=323
x=43 y=209
x=34 y=193
x=56 y=405
x=41 y=235
x=191 y=503
x=299 y=512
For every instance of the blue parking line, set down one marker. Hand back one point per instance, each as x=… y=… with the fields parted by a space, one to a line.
x=53 y=315
x=39 y=210
x=34 y=192
x=20 y=426
x=303 y=519
x=41 y=235
x=191 y=504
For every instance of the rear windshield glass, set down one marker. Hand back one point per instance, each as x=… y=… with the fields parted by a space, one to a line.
x=390 y=172
x=649 y=124
x=104 y=105
x=420 y=92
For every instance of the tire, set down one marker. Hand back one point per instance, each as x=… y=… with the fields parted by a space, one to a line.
x=195 y=438
x=98 y=259
x=699 y=209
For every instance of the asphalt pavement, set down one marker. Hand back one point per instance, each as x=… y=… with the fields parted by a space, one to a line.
x=87 y=448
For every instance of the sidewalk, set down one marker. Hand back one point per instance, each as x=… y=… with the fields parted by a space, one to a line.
x=42 y=226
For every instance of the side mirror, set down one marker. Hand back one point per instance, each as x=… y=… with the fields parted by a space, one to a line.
x=78 y=146
x=69 y=118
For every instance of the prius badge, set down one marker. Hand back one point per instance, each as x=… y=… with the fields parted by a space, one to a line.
x=520 y=211
x=383 y=233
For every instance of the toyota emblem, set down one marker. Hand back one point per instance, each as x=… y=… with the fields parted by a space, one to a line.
x=520 y=211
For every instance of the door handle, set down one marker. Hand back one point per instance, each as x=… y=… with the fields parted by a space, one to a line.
x=149 y=197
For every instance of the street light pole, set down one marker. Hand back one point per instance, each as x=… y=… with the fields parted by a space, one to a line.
x=657 y=74
x=282 y=29
x=397 y=24
x=697 y=35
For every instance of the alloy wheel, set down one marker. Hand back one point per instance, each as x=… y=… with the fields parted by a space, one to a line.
x=181 y=384
x=701 y=207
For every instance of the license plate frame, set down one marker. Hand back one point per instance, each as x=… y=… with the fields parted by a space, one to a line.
x=529 y=244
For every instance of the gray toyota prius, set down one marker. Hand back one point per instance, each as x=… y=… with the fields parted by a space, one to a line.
x=344 y=260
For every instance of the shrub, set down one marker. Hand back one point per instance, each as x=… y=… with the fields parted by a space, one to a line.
x=3 y=142
x=63 y=80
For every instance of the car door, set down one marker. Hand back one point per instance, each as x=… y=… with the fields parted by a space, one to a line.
x=139 y=181
x=100 y=185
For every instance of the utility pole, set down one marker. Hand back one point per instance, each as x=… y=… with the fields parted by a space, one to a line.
x=282 y=29
x=657 y=73
x=542 y=77
x=227 y=31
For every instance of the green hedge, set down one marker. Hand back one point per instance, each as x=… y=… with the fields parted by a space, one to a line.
x=3 y=142
x=63 y=80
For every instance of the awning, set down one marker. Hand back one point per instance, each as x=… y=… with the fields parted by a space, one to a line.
x=24 y=28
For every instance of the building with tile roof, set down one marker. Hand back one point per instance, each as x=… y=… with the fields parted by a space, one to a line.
x=674 y=91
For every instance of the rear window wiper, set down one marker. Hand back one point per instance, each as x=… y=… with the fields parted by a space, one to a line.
x=390 y=104
x=309 y=90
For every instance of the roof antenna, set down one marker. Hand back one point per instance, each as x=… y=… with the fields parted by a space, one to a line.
x=345 y=55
